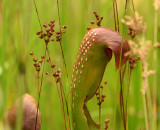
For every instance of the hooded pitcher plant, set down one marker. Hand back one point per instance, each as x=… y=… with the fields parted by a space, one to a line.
x=94 y=53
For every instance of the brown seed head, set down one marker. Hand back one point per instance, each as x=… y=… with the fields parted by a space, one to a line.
x=58 y=71
x=42 y=57
x=38 y=33
x=45 y=34
x=52 y=39
x=48 y=59
x=58 y=32
x=55 y=74
x=35 y=59
x=103 y=96
x=62 y=31
x=38 y=65
x=98 y=98
x=51 y=33
x=40 y=61
x=97 y=93
x=35 y=64
x=52 y=66
x=38 y=69
x=45 y=25
x=52 y=30
x=52 y=21
x=41 y=36
x=31 y=53
x=101 y=86
x=47 y=30
x=92 y=22
x=46 y=40
x=107 y=121
x=50 y=24
x=64 y=26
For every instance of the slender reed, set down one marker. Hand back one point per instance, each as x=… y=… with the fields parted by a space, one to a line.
x=63 y=92
x=37 y=14
x=39 y=92
x=122 y=108
x=115 y=20
x=40 y=89
x=60 y=93
x=99 y=108
x=61 y=40
x=155 y=63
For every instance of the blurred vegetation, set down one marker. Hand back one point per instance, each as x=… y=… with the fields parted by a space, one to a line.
x=18 y=27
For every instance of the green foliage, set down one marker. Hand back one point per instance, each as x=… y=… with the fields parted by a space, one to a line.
x=18 y=25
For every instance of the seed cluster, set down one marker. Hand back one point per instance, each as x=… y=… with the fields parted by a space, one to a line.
x=38 y=63
x=133 y=62
x=106 y=124
x=48 y=36
x=132 y=33
x=99 y=95
x=98 y=20
x=49 y=31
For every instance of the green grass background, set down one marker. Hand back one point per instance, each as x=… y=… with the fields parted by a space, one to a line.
x=18 y=27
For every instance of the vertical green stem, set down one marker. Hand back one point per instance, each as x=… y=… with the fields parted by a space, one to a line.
x=155 y=63
x=100 y=108
x=145 y=111
x=61 y=41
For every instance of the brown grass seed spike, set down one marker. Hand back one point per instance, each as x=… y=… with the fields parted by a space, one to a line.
x=93 y=55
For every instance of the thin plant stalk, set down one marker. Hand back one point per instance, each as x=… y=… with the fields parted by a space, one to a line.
x=42 y=76
x=99 y=108
x=115 y=11
x=62 y=103
x=61 y=40
x=155 y=64
x=37 y=14
x=61 y=94
x=128 y=86
x=115 y=21
x=64 y=63
x=122 y=101
x=145 y=111
x=122 y=107
x=40 y=89
x=117 y=15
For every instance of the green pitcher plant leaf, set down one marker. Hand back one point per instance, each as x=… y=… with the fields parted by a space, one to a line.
x=94 y=53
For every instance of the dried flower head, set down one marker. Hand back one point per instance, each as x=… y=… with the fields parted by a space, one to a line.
x=141 y=49
x=135 y=24
x=157 y=45
x=156 y=4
